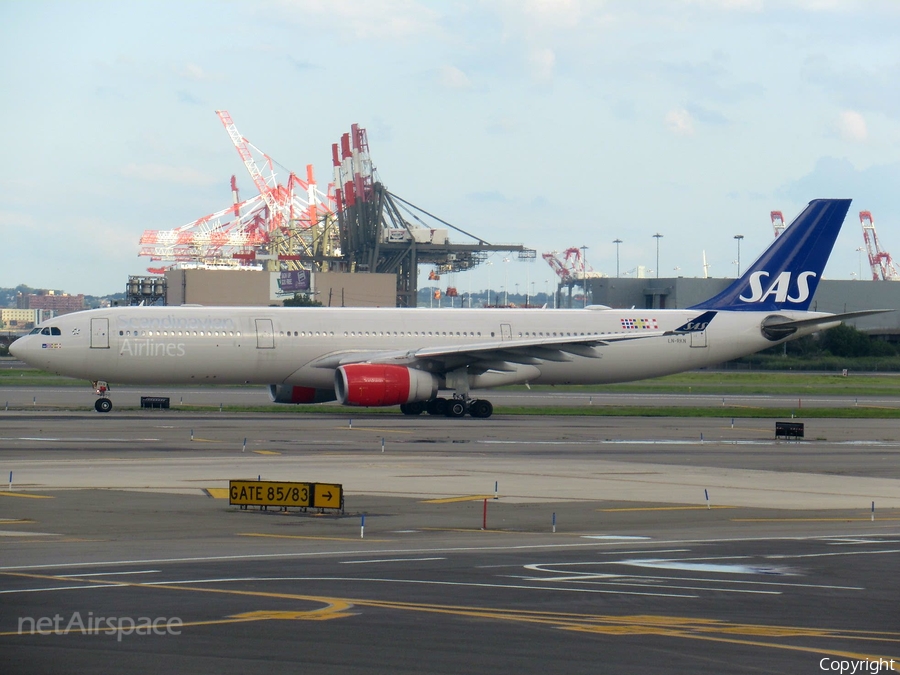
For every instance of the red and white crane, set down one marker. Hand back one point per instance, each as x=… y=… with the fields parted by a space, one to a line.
x=777 y=222
x=280 y=222
x=879 y=260
x=569 y=265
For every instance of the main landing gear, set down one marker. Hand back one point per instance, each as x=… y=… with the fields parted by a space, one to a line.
x=453 y=407
x=102 y=404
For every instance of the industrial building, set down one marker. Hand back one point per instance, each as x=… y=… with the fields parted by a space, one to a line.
x=237 y=287
x=50 y=301
x=835 y=296
x=356 y=226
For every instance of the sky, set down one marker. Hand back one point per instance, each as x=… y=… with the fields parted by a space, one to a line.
x=547 y=123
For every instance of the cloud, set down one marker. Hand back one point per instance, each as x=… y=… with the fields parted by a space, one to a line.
x=852 y=126
x=192 y=71
x=187 y=97
x=453 y=78
x=680 y=122
x=705 y=115
x=501 y=125
x=871 y=188
x=373 y=19
x=492 y=197
x=541 y=63
x=161 y=173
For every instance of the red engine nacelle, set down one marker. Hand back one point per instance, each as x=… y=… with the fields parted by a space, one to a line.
x=373 y=384
x=285 y=393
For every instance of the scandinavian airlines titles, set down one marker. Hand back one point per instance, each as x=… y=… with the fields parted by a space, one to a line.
x=779 y=287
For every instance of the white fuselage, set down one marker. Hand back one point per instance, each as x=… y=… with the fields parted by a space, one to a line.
x=269 y=345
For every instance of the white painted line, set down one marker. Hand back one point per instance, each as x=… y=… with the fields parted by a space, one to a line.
x=825 y=555
x=424 y=583
x=408 y=551
x=82 y=587
x=13 y=533
x=384 y=560
x=110 y=574
x=614 y=537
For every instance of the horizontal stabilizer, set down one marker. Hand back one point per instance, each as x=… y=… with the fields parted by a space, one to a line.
x=825 y=319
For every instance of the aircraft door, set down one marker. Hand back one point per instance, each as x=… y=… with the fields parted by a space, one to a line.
x=99 y=333
x=505 y=331
x=265 y=334
x=698 y=338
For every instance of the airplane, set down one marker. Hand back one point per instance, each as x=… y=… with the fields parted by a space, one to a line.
x=406 y=357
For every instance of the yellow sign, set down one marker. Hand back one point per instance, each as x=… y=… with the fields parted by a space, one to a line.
x=327 y=495
x=282 y=493
x=268 y=493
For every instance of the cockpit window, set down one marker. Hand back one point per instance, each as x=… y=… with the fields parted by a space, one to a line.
x=49 y=330
x=35 y=331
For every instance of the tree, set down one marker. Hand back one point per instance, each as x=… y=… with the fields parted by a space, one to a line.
x=847 y=341
x=301 y=301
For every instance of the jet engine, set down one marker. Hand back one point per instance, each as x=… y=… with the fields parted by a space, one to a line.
x=374 y=384
x=285 y=393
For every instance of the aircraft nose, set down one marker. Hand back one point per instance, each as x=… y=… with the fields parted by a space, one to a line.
x=17 y=348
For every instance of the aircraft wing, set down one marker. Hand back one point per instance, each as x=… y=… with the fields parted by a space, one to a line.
x=486 y=355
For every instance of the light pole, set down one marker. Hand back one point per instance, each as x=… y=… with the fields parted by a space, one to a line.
x=489 y=265
x=739 y=237
x=617 y=241
x=584 y=273
x=859 y=260
x=657 y=236
x=506 y=286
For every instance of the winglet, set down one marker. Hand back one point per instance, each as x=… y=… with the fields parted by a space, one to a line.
x=786 y=275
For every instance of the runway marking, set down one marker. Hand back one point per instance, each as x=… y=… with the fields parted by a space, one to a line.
x=826 y=555
x=380 y=430
x=465 y=498
x=266 y=452
x=664 y=508
x=473 y=529
x=385 y=560
x=14 y=521
x=615 y=537
x=25 y=495
x=688 y=628
x=13 y=533
x=848 y=519
x=300 y=536
x=8 y=569
x=217 y=493
x=111 y=574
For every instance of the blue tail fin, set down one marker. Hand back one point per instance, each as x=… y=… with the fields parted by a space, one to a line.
x=786 y=275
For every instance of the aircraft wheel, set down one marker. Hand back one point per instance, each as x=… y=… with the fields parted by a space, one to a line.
x=481 y=408
x=456 y=409
x=436 y=406
x=103 y=405
x=414 y=408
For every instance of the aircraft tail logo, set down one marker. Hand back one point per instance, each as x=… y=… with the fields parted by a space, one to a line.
x=786 y=275
x=696 y=325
